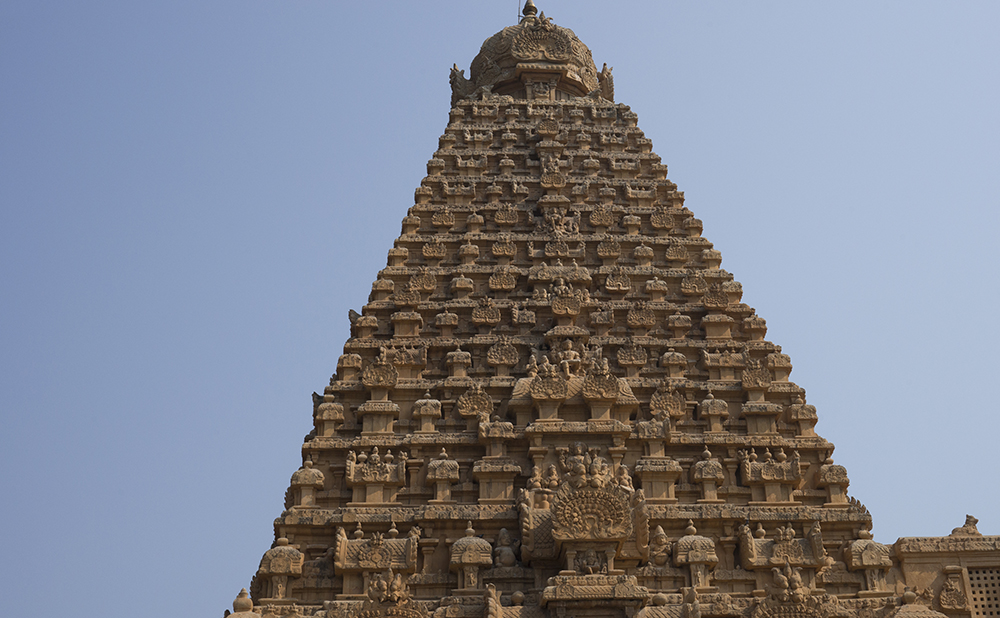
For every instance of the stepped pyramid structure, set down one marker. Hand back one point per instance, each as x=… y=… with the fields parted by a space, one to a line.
x=555 y=403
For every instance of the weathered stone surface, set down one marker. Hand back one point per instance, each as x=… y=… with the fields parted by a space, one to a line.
x=558 y=396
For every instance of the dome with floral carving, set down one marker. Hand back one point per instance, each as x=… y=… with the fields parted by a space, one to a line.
x=471 y=550
x=537 y=52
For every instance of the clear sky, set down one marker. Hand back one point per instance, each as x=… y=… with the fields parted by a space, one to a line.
x=193 y=194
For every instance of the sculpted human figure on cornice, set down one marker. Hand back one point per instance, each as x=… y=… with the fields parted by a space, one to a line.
x=535 y=480
x=560 y=289
x=748 y=552
x=569 y=359
x=589 y=562
x=552 y=478
x=574 y=463
x=660 y=548
x=623 y=479
x=505 y=552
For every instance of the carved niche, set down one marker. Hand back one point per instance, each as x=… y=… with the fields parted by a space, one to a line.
x=593 y=511
x=772 y=480
x=388 y=596
x=359 y=560
x=375 y=478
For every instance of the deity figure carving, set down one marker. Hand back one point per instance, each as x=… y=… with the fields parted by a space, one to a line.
x=505 y=552
x=589 y=562
x=659 y=548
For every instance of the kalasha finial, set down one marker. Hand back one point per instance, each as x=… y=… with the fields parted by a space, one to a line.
x=243 y=602
x=530 y=10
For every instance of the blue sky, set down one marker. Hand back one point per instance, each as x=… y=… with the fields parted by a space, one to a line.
x=193 y=194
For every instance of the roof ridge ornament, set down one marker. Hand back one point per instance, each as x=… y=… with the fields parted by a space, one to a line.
x=529 y=10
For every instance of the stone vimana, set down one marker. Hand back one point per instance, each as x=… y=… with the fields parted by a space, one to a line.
x=555 y=403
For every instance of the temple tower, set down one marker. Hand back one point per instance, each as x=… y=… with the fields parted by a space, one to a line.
x=555 y=403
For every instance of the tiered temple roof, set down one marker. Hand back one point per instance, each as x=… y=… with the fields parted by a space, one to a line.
x=555 y=402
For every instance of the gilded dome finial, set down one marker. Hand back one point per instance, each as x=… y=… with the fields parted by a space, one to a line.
x=529 y=10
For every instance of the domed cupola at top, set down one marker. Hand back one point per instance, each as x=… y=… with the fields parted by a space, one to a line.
x=535 y=59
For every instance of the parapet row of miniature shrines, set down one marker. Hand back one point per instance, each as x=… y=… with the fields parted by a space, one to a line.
x=405 y=474
x=568 y=394
x=589 y=520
